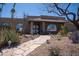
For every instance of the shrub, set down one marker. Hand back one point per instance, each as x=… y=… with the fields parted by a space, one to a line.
x=64 y=31
x=6 y=35
x=14 y=37
x=2 y=38
x=54 y=51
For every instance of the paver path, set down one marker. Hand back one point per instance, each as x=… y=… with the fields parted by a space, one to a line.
x=27 y=47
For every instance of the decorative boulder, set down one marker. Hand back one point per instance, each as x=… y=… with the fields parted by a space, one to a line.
x=75 y=37
x=71 y=27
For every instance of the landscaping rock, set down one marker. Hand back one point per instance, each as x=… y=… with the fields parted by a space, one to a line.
x=75 y=37
x=70 y=26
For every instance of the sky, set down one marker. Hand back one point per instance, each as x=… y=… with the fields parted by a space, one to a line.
x=31 y=9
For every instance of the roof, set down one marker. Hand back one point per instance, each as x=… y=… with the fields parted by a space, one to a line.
x=40 y=18
x=46 y=18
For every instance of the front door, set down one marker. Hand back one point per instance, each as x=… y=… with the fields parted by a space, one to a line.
x=36 y=28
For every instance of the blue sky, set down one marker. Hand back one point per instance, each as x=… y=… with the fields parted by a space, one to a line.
x=30 y=9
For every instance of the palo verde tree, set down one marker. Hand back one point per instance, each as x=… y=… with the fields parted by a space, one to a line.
x=63 y=10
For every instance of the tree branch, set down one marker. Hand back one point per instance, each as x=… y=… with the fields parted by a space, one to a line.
x=67 y=7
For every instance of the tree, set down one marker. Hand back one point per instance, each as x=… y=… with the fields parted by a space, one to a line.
x=63 y=10
x=12 y=15
x=13 y=10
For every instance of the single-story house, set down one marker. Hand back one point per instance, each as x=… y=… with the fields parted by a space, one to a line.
x=37 y=24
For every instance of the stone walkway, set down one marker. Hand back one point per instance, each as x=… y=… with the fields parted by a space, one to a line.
x=27 y=47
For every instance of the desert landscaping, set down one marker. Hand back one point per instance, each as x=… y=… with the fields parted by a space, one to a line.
x=65 y=47
x=54 y=45
x=54 y=31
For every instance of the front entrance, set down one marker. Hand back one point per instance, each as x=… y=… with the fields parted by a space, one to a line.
x=36 y=28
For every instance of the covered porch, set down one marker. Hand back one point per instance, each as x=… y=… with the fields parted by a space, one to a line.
x=42 y=27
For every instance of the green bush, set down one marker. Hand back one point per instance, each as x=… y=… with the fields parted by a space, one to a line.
x=6 y=35
x=13 y=36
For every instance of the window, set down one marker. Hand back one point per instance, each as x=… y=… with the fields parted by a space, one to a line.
x=51 y=27
x=19 y=27
x=6 y=24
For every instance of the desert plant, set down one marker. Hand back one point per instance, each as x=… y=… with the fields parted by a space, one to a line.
x=64 y=31
x=8 y=35
x=54 y=51
x=2 y=38
x=14 y=37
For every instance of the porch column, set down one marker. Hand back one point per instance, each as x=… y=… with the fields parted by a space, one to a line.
x=31 y=32
x=43 y=27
